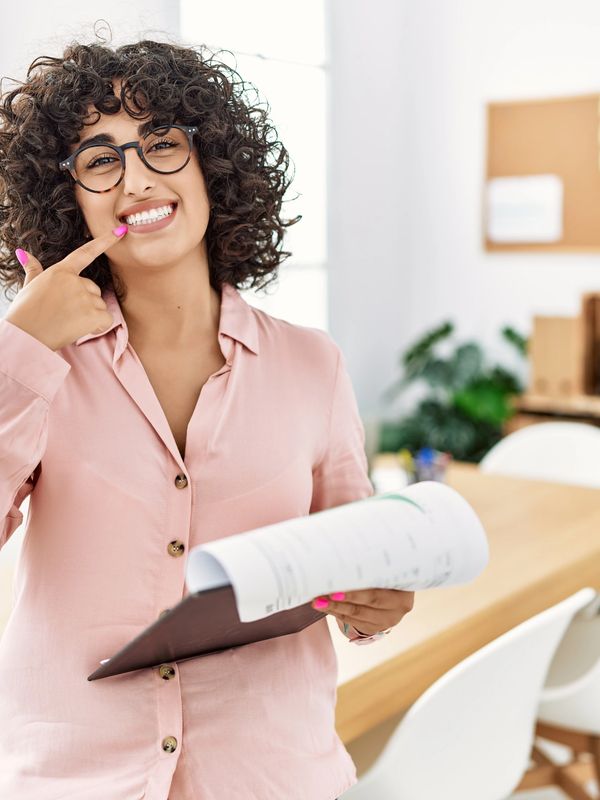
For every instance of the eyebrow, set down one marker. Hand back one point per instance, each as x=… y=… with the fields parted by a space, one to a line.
x=108 y=138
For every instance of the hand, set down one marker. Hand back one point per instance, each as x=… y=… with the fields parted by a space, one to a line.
x=368 y=610
x=56 y=305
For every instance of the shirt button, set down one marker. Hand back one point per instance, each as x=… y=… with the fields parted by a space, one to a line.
x=181 y=481
x=169 y=744
x=166 y=671
x=175 y=548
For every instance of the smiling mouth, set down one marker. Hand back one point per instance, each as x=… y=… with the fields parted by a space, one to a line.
x=141 y=220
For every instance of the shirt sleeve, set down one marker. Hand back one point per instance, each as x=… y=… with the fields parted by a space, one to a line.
x=342 y=475
x=30 y=375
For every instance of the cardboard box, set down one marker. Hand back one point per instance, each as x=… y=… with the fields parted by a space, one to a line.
x=557 y=356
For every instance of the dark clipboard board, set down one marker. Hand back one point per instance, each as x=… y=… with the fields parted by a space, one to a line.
x=202 y=623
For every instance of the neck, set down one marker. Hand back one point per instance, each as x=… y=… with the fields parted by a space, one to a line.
x=173 y=309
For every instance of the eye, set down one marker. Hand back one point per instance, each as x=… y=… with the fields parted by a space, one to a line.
x=106 y=158
x=164 y=141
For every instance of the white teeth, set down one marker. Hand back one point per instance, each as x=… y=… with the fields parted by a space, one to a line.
x=145 y=217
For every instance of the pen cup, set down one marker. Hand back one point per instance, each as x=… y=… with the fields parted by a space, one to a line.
x=427 y=464
x=394 y=471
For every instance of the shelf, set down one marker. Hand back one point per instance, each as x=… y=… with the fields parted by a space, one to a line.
x=573 y=405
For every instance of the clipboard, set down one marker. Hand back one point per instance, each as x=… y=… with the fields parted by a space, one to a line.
x=202 y=623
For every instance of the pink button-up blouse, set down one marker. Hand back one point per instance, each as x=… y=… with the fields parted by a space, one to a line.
x=275 y=434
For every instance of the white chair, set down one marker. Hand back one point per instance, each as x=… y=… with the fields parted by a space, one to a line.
x=469 y=736
x=566 y=452
x=569 y=711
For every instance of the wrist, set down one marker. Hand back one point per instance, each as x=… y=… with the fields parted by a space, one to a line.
x=356 y=637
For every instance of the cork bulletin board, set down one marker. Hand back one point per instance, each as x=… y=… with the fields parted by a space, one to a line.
x=557 y=140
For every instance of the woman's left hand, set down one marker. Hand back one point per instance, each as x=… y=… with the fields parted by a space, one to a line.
x=368 y=610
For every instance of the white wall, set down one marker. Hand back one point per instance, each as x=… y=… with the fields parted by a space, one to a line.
x=410 y=84
x=368 y=288
x=32 y=29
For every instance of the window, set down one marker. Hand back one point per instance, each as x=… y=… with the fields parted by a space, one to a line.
x=280 y=50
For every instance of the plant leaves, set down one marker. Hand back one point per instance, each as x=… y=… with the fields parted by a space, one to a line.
x=419 y=353
x=437 y=372
x=468 y=404
x=521 y=343
x=445 y=428
x=466 y=364
x=483 y=400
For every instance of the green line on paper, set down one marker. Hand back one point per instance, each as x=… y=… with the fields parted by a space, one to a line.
x=394 y=496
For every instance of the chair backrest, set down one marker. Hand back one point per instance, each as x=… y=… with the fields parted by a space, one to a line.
x=469 y=735
x=571 y=695
x=567 y=452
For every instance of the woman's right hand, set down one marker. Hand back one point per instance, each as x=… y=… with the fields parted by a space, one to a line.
x=56 y=305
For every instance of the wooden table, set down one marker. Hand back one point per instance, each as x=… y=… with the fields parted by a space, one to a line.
x=544 y=545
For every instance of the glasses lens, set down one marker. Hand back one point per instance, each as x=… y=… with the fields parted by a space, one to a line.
x=165 y=149
x=98 y=167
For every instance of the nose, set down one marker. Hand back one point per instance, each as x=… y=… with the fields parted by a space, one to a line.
x=138 y=177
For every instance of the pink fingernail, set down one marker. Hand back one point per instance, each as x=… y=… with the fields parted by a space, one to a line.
x=22 y=256
x=338 y=596
x=320 y=603
x=120 y=230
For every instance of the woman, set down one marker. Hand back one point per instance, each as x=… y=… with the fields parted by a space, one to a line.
x=147 y=408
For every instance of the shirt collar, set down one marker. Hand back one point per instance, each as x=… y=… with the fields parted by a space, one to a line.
x=237 y=319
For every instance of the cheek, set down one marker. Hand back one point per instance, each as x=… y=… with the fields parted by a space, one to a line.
x=193 y=185
x=95 y=211
x=196 y=207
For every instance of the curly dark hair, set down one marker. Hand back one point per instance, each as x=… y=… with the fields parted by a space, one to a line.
x=244 y=164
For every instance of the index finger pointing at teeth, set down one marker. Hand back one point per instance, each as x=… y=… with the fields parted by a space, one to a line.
x=84 y=255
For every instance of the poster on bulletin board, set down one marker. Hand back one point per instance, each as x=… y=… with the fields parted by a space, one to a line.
x=542 y=188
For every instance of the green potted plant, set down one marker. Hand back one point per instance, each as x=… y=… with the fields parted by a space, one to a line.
x=468 y=403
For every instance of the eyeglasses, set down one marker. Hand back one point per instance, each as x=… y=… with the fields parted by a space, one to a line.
x=101 y=167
